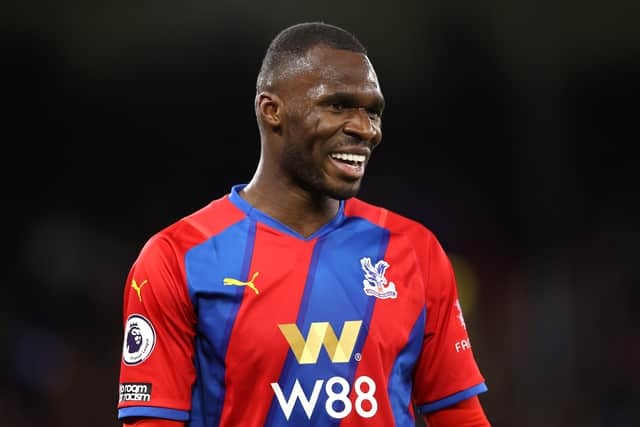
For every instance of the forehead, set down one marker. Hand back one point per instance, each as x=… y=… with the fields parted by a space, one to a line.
x=324 y=70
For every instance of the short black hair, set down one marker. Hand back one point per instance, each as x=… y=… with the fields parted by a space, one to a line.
x=294 y=41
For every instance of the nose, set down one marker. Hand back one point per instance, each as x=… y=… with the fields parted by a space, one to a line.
x=362 y=126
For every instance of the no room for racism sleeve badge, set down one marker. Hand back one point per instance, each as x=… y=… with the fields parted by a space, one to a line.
x=139 y=340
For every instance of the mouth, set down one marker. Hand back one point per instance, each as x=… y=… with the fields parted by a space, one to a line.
x=351 y=165
x=355 y=160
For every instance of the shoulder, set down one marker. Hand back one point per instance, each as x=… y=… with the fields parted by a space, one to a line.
x=405 y=232
x=394 y=222
x=194 y=228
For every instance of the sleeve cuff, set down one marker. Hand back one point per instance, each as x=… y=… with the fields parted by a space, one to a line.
x=453 y=399
x=153 y=412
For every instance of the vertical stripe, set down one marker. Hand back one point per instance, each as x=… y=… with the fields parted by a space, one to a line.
x=401 y=378
x=274 y=410
x=392 y=329
x=333 y=293
x=257 y=350
x=370 y=304
x=226 y=254
x=311 y=275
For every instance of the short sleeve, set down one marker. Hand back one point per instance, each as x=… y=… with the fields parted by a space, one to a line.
x=157 y=370
x=447 y=372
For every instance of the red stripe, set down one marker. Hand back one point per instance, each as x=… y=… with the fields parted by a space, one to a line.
x=390 y=327
x=257 y=350
x=375 y=214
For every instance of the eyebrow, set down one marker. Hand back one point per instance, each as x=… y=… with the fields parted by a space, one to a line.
x=350 y=99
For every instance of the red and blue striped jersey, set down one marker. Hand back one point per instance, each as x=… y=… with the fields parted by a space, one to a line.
x=233 y=319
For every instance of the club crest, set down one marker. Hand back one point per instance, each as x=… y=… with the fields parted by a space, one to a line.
x=374 y=283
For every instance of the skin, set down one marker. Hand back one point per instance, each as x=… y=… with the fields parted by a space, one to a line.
x=329 y=102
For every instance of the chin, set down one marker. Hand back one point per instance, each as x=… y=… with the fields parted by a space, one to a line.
x=343 y=191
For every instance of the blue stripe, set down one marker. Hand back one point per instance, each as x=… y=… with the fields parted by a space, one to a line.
x=152 y=411
x=333 y=293
x=401 y=377
x=304 y=303
x=453 y=399
x=311 y=275
x=227 y=254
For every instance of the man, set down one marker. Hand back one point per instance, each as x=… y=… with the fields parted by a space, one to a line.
x=288 y=302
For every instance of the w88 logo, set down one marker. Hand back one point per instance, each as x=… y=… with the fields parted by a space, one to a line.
x=337 y=389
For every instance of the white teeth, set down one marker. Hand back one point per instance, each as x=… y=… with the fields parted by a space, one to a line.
x=358 y=158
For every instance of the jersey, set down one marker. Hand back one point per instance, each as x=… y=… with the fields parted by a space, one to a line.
x=231 y=318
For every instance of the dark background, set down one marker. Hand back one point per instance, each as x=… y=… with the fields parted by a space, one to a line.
x=508 y=132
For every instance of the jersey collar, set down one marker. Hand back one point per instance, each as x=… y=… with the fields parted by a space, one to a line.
x=257 y=215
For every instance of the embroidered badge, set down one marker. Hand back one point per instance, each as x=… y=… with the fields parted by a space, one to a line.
x=374 y=283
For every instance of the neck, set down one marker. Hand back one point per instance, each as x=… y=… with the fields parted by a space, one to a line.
x=302 y=211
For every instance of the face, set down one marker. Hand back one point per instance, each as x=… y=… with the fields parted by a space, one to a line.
x=331 y=122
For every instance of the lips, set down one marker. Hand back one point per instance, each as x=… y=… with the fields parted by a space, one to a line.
x=350 y=165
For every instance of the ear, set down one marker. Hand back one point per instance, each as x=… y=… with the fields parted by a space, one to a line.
x=269 y=109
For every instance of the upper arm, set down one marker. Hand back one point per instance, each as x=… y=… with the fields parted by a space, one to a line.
x=157 y=371
x=446 y=372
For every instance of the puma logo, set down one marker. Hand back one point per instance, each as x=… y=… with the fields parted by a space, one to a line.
x=235 y=282
x=138 y=288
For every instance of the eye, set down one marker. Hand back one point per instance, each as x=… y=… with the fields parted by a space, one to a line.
x=374 y=115
x=337 y=106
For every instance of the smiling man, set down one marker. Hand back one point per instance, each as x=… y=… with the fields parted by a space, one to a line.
x=341 y=312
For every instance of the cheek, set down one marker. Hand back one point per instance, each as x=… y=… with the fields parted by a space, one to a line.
x=328 y=124
x=378 y=139
x=312 y=131
x=300 y=123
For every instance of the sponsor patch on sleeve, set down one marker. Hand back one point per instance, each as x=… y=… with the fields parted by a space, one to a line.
x=139 y=340
x=140 y=392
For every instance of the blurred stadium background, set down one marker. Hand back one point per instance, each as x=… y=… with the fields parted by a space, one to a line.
x=508 y=132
